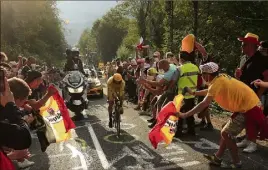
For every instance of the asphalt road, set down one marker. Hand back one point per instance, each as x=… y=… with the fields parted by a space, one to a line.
x=95 y=147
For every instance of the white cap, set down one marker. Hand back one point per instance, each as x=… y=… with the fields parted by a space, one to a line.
x=209 y=68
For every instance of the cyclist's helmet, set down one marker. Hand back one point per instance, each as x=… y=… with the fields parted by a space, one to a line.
x=117 y=78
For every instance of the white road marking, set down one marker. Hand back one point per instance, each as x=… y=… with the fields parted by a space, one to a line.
x=103 y=159
x=182 y=165
x=202 y=144
x=177 y=159
x=76 y=153
x=144 y=119
x=186 y=164
x=61 y=146
x=59 y=155
x=172 y=146
x=211 y=144
x=173 y=153
x=73 y=133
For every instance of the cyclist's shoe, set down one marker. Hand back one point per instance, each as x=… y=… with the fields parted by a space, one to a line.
x=110 y=124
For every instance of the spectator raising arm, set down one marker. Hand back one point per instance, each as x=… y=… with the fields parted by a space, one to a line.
x=38 y=104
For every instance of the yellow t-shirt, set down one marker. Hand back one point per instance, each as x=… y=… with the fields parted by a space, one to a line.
x=232 y=95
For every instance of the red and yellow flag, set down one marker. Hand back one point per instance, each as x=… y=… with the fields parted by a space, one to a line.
x=166 y=125
x=56 y=114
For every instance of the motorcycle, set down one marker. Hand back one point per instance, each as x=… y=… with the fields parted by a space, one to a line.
x=75 y=92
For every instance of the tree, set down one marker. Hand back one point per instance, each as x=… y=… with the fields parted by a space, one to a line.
x=32 y=28
x=108 y=33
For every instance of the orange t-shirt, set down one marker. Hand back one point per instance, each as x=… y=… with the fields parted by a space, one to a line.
x=232 y=94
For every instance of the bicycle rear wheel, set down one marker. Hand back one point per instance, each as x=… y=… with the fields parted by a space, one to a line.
x=118 y=124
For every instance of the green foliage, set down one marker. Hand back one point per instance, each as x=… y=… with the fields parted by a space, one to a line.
x=130 y=41
x=106 y=35
x=219 y=25
x=32 y=28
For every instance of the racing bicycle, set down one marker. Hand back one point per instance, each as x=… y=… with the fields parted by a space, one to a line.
x=116 y=116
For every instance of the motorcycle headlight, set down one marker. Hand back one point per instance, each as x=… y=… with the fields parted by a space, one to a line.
x=78 y=90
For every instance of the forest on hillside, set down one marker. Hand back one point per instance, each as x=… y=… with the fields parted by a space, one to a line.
x=163 y=24
x=32 y=28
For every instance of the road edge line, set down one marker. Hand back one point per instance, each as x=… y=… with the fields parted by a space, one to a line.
x=102 y=157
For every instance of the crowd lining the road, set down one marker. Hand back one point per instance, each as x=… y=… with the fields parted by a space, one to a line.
x=151 y=82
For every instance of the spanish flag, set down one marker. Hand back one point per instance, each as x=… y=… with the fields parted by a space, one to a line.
x=58 y=121
x=166 y=125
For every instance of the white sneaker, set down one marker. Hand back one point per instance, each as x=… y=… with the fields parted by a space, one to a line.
x=243 y=143
x=25 y=164
x=252 y=147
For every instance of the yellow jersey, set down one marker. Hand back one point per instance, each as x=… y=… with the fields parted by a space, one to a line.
x=113 y=88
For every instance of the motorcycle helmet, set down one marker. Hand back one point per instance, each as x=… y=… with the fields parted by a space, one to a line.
x=75 y=52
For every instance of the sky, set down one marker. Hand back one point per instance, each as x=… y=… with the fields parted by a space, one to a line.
x=81 y=15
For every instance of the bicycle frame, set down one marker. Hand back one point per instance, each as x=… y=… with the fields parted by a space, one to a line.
x=117 y=116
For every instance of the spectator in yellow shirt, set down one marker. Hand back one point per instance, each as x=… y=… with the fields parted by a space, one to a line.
x=234 y=96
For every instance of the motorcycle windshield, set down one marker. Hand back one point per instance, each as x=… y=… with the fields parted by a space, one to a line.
x=74 y=79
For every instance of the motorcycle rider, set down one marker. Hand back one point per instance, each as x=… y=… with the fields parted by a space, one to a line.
x=115 y=86
x=73 y=61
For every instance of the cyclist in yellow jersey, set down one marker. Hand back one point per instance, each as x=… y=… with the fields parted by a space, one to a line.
x=115 y=87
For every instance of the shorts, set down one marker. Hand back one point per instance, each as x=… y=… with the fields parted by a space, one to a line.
x=235 y=125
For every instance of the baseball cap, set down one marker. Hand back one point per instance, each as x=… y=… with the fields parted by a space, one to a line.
x=210 y=67
x=152 y=71
x=251 y=38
